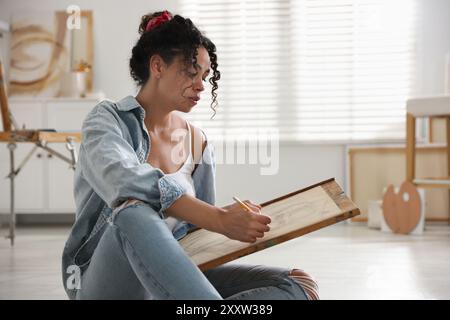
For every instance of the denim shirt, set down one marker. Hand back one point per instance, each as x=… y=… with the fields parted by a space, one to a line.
x=112 y=167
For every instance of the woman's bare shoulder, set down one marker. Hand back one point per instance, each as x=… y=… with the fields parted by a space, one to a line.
x=198 y=136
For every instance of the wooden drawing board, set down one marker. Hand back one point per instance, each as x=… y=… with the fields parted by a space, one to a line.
x=292 y=215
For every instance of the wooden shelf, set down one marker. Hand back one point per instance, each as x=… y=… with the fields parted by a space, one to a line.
x=432 y=182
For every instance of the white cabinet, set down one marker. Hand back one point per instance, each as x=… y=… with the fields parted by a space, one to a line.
x=45 y=184
x=28 y=184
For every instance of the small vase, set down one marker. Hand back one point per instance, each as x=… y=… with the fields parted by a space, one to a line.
x=73 y=84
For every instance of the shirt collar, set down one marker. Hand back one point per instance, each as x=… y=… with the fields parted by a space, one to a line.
x=128 y=103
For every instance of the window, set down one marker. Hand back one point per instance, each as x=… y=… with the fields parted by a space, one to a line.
x=315 y=70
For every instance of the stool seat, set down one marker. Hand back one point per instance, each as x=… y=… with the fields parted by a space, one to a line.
x=437 y=106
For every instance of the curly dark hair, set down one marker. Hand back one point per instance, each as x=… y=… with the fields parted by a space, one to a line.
x=178 y=36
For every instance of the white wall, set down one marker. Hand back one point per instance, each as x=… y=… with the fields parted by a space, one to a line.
x=435 y=43
x=115 y=30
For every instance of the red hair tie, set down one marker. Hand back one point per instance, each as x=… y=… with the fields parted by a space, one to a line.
x=157 y=21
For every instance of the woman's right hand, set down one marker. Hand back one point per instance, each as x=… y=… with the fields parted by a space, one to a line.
x=239 y=224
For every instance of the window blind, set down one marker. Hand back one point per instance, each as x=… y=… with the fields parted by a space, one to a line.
x=313 y=70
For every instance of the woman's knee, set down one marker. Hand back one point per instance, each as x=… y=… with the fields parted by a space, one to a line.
x=307 y=282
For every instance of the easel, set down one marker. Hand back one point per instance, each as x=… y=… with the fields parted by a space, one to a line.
x=40 y=138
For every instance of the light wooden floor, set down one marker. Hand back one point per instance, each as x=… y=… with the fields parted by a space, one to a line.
x=349 y=262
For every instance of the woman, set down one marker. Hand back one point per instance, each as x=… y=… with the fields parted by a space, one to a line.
x=135 y=196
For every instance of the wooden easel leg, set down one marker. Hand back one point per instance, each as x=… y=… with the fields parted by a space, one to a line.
x=70 y=145
x=410 y=147
x=12 y=219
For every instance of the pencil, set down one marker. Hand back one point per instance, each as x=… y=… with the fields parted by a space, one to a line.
x=243 y=205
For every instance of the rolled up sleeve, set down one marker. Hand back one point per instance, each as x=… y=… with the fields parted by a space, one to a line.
x=111 y=166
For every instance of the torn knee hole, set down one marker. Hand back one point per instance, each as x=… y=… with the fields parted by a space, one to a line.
x=130 y=202
x=124 y=205
x=299 y=272
x=307 y=282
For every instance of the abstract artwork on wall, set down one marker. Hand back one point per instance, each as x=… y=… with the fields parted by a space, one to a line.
x=39 y=53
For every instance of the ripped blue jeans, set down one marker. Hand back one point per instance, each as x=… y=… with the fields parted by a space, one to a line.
x=139 y=258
